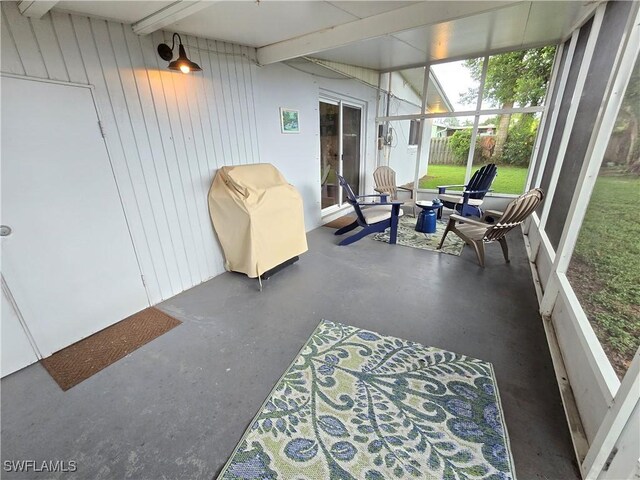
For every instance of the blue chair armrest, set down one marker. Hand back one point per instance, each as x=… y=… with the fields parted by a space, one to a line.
x=367 y=204
x=477 y=191
x=382 y=196
x=443 y=188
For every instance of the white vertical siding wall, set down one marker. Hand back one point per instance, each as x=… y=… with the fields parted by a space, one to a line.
x=166 y=132
x=298 y=155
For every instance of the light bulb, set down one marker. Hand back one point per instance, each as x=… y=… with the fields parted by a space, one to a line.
x=184 y=69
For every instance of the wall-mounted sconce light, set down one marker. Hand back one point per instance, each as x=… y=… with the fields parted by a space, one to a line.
x=182 y=64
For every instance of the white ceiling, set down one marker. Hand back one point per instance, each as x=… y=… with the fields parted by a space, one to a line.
x=369 y=33
x=125 y=12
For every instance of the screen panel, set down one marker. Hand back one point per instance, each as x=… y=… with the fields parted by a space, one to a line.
x=591 y=102
x=565 y=104
x=545 y=132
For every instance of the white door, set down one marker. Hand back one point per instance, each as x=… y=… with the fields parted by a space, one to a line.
x=17 y=351
x=69 y=259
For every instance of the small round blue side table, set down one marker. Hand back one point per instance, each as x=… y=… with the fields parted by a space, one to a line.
x=427 y=217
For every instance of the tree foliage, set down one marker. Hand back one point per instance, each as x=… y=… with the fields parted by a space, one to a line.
x=514 y=77
x=519 y=145
x=628 y=122
x=460 y=142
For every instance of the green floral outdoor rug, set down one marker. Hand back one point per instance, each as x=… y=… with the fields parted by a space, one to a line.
x=408 y=237
x=358 y=405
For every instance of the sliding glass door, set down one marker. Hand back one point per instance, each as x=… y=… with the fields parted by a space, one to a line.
x=340 y=149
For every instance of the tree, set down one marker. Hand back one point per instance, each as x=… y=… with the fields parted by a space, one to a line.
x=519 y=144
x=631 y=109
x=460 y=142
x=515 y=77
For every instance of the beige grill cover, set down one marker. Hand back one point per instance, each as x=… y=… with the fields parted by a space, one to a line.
x=258 y=218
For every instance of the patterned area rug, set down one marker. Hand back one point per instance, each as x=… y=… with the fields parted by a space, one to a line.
x=358 y=405
x=408 y=237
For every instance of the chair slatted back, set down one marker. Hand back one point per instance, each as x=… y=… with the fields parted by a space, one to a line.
x=385 y=178
x=516 y=212
x=482 y=180
x=352 y=198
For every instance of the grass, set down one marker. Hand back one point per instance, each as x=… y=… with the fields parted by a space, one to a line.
x=605 y=268
x=509 y=180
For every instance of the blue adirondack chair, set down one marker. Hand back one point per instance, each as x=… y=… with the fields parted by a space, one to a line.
x=468 y=202
x=376 y=217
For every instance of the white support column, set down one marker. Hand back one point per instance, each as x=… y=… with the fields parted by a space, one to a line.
x=421 y=134
x=476 y=121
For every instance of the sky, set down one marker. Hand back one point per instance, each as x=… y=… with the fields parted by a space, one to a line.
x=455 y=79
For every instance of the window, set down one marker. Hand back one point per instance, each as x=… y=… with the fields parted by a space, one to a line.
x=500 y=113
x=414 y=130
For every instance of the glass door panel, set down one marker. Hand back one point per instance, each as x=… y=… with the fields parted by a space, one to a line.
x=329 y=153
x=351 y=119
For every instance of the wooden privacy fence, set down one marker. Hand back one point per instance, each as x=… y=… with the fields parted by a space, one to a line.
x=440 y=152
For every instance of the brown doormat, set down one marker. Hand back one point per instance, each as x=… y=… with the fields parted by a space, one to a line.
x=341 y=222
x=79 y=361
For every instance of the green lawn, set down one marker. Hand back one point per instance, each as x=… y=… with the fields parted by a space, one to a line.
x=509 y=179
x=605 y=268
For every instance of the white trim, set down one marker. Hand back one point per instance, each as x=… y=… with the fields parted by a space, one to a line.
x=626 y=393
x=393 y=21
x=47 y=80
x=584 y=18
x=573 y=109
x=466 y=56
x=333 y=212
x=597 y=358
x=569 y=405
x=615 y=420
x=35 y=9
x=168 y=15
x=465 y=113
x=552 y=286
x=542 y=126
x=566 y=67
x=20 y=317
x=603 y=128
x=340 y=100
x=421 y=135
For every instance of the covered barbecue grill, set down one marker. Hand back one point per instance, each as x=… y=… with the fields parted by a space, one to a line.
x=258 y=218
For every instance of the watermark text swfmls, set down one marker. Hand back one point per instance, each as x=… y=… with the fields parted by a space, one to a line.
x=48 y=466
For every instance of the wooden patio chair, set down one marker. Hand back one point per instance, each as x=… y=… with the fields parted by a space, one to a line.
x=468 y=202
x=375 y=217
x=385 y=179
x=476 y=232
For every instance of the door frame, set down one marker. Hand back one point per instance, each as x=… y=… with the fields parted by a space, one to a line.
x=22 y=309
x=334 y=98
x=92 y=91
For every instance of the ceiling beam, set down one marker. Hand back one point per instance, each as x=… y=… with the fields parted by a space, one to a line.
x=35 y=9
x=394 y=21
x=172 y=13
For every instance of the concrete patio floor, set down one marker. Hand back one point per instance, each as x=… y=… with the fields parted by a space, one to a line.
x=176 y=407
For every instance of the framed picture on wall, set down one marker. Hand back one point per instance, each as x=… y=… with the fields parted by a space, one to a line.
x=289 y=120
